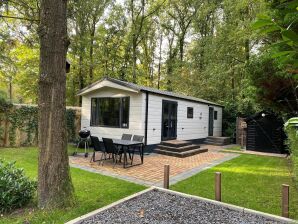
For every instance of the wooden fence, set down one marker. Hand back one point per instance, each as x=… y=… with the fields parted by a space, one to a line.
x=241 y=130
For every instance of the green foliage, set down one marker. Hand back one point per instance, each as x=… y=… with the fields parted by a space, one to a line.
x=203 y=47
x=3 y=95
x=25 y=119
x=204 y=50
x=16 y=190
x=281 y=22
x=4 y=108
x=292 y=142
x=70 y=124
x=4 y=105
x=292 y=122
x=27 y=64
x=229 y=120
x=275 y=88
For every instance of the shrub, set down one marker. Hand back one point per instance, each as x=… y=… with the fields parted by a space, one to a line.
x=292 y=143
x=16 y=190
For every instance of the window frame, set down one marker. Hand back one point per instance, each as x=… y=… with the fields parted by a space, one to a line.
x=215 y=114
x=190 y=115
x=120 y=112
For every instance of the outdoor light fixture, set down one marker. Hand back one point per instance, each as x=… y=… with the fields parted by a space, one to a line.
x=263 y=114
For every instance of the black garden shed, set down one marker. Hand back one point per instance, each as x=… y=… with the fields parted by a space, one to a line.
x=265 y=133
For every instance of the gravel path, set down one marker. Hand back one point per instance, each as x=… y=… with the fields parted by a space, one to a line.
x=161 y=207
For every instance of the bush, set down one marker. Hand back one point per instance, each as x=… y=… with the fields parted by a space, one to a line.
x=292 y=143
x=16 y=190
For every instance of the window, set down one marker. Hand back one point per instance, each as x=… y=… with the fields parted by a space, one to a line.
x=215 y=115
x=110 y=112
x=189 y=112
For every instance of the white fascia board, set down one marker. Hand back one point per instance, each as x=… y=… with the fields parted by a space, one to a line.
x=107 y=83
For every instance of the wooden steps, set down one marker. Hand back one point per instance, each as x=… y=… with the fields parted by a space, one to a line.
x=179 y=148
x=211 y=140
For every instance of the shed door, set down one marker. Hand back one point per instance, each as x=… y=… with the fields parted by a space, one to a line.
x=169 y=120
x=211 y=121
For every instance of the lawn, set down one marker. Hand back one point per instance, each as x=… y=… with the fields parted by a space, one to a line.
x=249 y=181
x=234 y=148
x=92 y=190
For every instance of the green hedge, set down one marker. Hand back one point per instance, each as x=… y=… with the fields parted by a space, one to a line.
x=292 y=143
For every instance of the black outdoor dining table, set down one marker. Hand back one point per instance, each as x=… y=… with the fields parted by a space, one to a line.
x=126 y=144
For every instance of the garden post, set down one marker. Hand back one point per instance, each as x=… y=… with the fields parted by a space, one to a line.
x=218 y=186
x=166 y=180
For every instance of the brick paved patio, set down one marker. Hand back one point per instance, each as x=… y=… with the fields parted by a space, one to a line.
x=151 y=172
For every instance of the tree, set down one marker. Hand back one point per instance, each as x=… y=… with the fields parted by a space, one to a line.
x=84 y=18
x=139 y=11
x=280 y=28
x=54 y=182
x=276 y=89
x=275 y=70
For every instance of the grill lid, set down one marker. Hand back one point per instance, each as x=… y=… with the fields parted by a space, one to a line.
x=84 y=133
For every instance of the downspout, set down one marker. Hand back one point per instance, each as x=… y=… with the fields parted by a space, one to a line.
x=146 y=118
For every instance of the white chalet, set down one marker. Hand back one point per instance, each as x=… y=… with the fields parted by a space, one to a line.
x=111 y=107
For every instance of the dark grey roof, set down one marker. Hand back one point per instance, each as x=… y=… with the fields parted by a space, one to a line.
x=151 y=90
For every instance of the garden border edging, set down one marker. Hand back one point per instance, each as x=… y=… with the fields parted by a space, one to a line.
x=226 y=205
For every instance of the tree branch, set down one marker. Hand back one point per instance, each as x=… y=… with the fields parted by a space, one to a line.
x=20 y=18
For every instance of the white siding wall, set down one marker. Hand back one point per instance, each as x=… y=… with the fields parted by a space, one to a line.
x=136 y=113
x=194 y=128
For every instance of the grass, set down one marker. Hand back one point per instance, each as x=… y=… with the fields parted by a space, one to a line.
x=92 y=191
x=234 y=148
x=249 y=181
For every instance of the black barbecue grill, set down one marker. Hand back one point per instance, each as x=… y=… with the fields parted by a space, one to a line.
x=84 y=133
x=84 y=138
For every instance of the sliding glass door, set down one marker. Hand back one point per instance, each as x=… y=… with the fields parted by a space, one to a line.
x=169 y=120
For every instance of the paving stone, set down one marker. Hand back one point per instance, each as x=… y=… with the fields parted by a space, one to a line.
x=151 y=172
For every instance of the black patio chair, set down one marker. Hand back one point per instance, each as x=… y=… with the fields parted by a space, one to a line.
x=97 y=147
x=126 y=137
x=111 y=148
x=137 y=148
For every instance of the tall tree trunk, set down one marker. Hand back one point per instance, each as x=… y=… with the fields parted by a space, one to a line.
x=10 y=90
x=152 y=69
x=134 y=61
x=91 y=67
x=247 y=50
x=159 y=61
x=181 y=47
x=54 y=182
x=81 y=76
